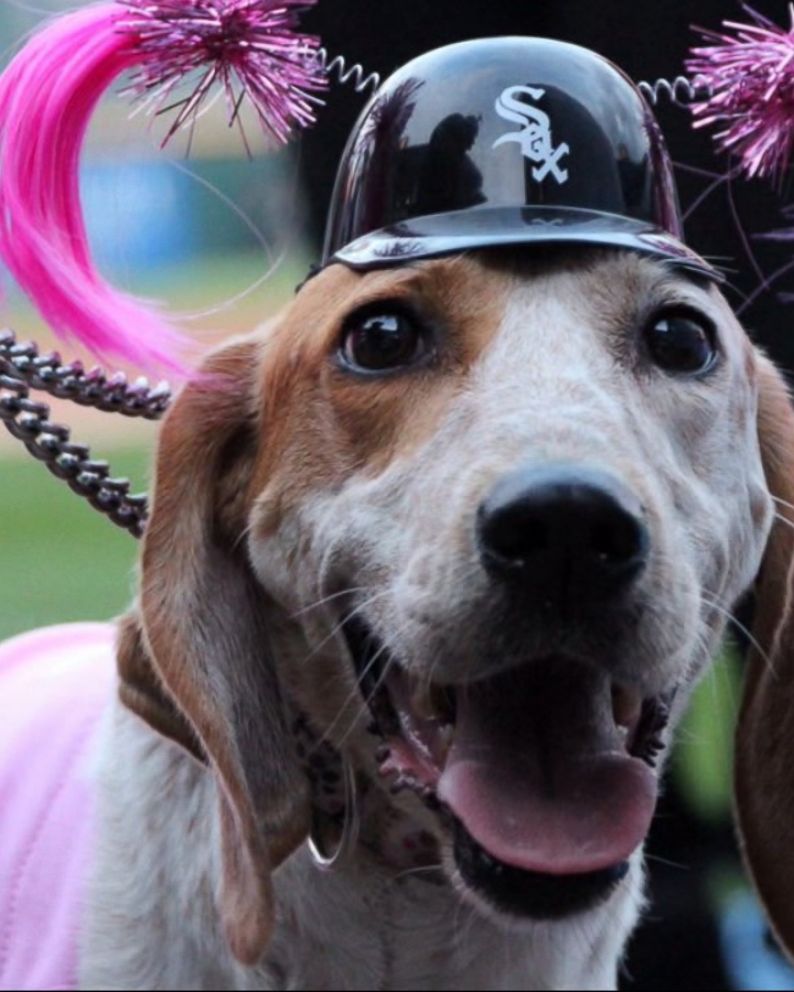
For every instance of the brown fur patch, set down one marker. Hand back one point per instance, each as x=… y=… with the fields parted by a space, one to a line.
x=323 y=422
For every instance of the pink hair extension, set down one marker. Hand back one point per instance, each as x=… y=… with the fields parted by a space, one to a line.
x=47 y=97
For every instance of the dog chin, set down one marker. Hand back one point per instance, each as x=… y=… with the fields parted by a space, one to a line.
x=520 y=900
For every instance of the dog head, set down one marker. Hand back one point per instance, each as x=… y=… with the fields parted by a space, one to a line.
x=496 y=509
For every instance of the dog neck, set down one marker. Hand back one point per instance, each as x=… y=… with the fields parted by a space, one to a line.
x=152 y=920
x=394 y=837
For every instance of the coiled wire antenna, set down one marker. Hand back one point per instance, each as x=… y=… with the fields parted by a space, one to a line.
x=680 y=91
x=339 y=69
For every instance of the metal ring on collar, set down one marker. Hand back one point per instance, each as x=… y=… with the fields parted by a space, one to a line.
x=350 y=827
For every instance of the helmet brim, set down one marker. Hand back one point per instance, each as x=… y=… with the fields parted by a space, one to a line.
x=467 y=230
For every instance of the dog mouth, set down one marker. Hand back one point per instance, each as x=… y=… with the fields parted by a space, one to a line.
x=544 y=774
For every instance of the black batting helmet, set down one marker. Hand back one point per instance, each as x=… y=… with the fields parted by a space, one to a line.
x=505 y=141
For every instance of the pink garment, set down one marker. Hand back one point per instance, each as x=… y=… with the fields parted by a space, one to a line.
x=54 y=687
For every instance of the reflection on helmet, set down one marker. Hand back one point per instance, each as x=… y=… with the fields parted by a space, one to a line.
x=505 y=141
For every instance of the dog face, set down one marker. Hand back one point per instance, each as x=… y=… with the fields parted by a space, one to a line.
x=532 y=525
x=500 y=509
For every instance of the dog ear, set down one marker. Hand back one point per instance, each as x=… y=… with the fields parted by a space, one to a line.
x=141 y=689
x=764 y=773
x=197 y=666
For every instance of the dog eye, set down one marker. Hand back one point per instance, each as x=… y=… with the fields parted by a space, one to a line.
x=377 y=342
x=681 y=341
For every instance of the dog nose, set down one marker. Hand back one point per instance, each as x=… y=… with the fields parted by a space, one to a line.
x=566 y=530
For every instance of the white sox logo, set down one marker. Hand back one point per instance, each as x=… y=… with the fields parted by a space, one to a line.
x=535 y=138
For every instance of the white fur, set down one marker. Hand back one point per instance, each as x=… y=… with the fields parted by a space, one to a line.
x=548 y=386
x=152 y=921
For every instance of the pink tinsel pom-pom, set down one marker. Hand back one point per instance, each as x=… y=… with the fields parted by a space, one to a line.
x=749 y=71
x=250 y=48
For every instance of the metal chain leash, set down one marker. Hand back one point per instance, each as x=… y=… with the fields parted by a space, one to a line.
x=70 y=381
x=23 y=369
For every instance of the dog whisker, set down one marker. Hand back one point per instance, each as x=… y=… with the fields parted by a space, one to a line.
x=742 y=629
x=667 y=862
x=784 y=520
x=326 y=599
x=337 y=627
x=418 y=870
x=383 y=677
x=781 y=502
x=355 y=694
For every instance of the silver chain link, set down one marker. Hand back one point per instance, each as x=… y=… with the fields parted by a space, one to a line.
x=22 y=368
x=114 y=394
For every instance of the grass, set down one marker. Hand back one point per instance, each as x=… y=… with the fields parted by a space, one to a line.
x=61 y=560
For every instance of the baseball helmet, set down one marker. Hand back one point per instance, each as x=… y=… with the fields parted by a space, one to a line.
x=505 y=141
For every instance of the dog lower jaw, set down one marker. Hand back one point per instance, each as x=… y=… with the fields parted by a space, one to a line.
x=528 y=895
x=425 y=750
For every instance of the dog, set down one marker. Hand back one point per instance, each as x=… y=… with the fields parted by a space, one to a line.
x=433 y=564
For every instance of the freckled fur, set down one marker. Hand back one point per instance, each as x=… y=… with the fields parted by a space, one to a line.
x=303 y=481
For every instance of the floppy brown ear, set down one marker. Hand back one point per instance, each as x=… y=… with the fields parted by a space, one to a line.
x=142 y=691
x=197 y=666
x=764 y=774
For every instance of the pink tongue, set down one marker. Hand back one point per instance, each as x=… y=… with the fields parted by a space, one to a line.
x=539 y=777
